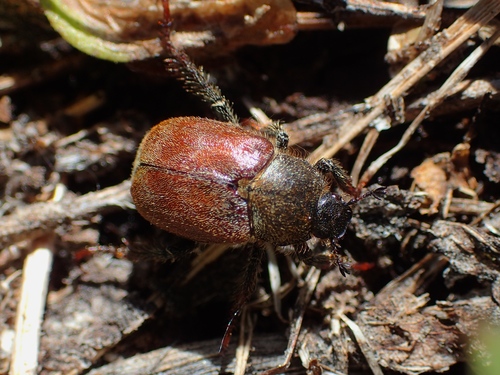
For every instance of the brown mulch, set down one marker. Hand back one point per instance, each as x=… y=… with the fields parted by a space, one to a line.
x=405 y=96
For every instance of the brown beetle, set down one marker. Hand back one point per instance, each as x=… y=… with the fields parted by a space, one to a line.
x=214 y=182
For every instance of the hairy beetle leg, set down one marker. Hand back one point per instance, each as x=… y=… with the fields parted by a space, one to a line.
x=339 y=174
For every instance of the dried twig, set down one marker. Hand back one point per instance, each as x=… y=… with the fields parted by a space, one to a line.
x=432 y=21
x=274 y=280
x=244 y=343
x=36 y=270
x=36 y=273
x=440 y=47
x=466 y=95
x=458 y=75
x=41 y=218
x=364 y=345
x=17 y=80
x=207 y=256
x=303 y=300
x=368 y=143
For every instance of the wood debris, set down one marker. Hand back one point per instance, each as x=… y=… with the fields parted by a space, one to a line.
x=404 y=93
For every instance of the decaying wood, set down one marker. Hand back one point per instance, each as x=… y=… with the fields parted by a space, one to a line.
x=466 y=95
x=201 y=357
x=83 y=322
x=297 y=318
x=42 y=218
x=433 y=101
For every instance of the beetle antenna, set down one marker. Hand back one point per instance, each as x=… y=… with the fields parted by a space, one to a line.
x=377 y=193
x=193 y=78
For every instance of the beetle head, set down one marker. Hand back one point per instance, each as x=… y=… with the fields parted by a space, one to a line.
x=333 y=215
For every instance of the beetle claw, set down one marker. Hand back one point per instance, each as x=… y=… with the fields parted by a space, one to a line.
x=344 y=268
x=378 y=193
x=226 y=339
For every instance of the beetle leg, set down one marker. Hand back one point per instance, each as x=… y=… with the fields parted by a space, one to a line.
x=276 y=131
x=249 y=276
x=164 y=247
x=326 y=261
x=321 y=260
x=245 y=289
x=340 y=176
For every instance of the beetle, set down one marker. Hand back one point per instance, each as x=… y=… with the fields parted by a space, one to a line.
x=216 y=182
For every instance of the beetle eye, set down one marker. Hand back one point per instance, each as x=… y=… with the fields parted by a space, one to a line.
x=341 y=220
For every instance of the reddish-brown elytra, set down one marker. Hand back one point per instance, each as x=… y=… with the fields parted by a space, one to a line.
x=187 y=175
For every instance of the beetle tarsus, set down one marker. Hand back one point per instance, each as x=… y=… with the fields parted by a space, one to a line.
x=344 y=268
x=326 y=260
x=339 y=174
x=276 y=131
